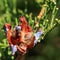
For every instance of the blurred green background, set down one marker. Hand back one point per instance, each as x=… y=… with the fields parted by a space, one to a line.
x=47 y=49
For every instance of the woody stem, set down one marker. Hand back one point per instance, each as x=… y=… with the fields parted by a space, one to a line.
x=20 y=57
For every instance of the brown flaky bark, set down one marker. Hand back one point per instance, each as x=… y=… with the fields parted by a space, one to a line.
x=20 y=57
x=41 y=13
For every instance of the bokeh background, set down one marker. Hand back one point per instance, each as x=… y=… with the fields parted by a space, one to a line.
x=47 y=49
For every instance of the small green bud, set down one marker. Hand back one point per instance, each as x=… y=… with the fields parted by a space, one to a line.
x=57 y=8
